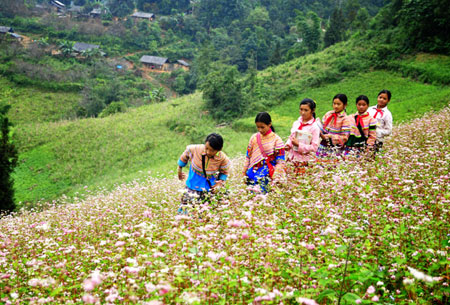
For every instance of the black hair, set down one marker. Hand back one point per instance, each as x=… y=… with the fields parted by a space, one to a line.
x=387 y=92
x=311 y=104
x=342 y=97
x=362 y=98
x=264 y=117
x=215 y=140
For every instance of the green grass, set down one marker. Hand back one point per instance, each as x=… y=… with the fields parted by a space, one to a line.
x=410 y=99
x=101 y=152
x=37 y=105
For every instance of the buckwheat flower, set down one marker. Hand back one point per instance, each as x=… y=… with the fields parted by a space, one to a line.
x=375 y=298
x=370 y=290
x=306 y=301
x=358 y=301
x=150 y=287
x=96 y=277
x=380 y=283
x=88 y=285
x=164 y=288
x=422 y=276
x=14 y=295
x=34 y=282
x=89 y=299
x=120 y=243
x=310 y=247
x=408 y=281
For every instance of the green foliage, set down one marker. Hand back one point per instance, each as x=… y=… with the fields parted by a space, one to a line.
x=114 y=107
x=308 y=28
x=8 y=161
x=222 y=91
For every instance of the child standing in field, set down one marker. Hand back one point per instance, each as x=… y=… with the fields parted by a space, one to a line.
x=383 y=116
x=265 y=153
x=304 y=140
x=207 y=160
x=363 y=128
x=335 y=129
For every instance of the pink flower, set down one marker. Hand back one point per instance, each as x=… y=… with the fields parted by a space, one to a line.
x=96 y=277
x=89 y=299
x=163 y=289
x=306 y=301
x=120 y=243
x=245 y=236
x=310 y=247
x=370 y=290
x=375 y=298
x=88 y=285
x=358 y=301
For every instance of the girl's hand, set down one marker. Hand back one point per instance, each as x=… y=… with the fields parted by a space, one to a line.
x=294 y=141
x=181 y=175
x=219 y=184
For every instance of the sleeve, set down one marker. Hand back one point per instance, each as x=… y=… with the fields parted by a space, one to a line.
x=279 y=150
x=289 y=142
x=248 y=154
x=320 y=124
x=185 y=157
x=387 y=126
x=372 y=132
x=305 y=149
x=342 y=137
x=224 y=168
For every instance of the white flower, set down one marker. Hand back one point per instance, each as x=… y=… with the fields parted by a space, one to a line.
x=422 y=276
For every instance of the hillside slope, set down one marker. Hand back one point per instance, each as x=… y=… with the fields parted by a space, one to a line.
x=65 y=157
x=354 y=231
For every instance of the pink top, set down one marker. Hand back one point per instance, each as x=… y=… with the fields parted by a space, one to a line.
x=305 y=152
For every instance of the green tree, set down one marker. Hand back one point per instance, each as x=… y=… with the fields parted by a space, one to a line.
x=308 y=27
x=8 y=160
x=336 y=28
x=222 y=92
x=121 y=8
x=362 y=20
x=426 y=25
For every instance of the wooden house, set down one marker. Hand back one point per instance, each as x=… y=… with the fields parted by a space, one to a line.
x=142 y=15
x=155 y=62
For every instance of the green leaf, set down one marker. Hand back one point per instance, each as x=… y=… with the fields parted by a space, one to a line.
x=351 y=297
x=328 y=293
x=56 y=291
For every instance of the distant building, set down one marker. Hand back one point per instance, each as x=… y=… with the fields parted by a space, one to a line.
x=80 y=47
x=6 y=29
x=182 y=64
x=60 y=7
x=142 y=15
x=154 y=62
x=96 y=13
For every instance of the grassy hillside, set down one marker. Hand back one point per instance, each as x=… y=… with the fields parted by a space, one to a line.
x=64 y=157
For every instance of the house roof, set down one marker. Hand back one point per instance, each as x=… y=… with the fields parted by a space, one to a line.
x=6 y=29
x=15 y=35
x=182 y=62
x=58 y=4
x=153 y=60
x=143 y=15
x=81 y=46
x=96 y=11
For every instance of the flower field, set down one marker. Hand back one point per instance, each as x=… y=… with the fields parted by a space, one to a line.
x=353 y=232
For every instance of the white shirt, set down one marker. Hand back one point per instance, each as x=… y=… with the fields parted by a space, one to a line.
x=384 y=125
